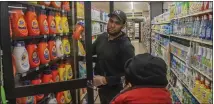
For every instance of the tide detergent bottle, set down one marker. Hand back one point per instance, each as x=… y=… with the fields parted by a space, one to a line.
x=59 y=47
x=66 y=46
x=62 y=73
x=43 y=51
x=55 y=73
x=33 y=55
x=21 y=57
x=32 y=23
x=45 y=3
x=68 y=70
x=19 y=25
x=56 y=4
x=66 y=5
x=47 y=76
x=52 y=49
x=60 y=98
x=58 y=23
x=67 y=96
x=65 y=26
x=28 y=99
x=43 y=23
x=37 y=81
x=51 y=23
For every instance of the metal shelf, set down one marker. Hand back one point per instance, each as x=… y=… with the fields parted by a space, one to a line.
x=161 y=33
x=194 y=14
x=178 y=57
x=99 y=21
x=202 y=73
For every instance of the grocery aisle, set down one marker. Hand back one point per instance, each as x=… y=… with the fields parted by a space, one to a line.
x=139 y=47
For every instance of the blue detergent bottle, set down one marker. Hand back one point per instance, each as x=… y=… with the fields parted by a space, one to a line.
x=203 y=27
x=209 y=28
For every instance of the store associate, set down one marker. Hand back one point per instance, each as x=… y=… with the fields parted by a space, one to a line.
x=113 y=48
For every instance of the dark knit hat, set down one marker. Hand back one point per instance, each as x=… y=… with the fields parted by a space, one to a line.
x=145 y=69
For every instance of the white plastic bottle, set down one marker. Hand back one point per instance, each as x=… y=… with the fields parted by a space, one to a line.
x=59 y=48
x=21 y=56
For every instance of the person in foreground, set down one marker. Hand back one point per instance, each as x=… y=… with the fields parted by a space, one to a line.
x=113 y=48
x=146 y=81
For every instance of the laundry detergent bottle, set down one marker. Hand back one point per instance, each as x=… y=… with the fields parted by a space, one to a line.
x=21 y=57
x=67 y=96
x=59 y=47
x=55 y=73
x=32 y=23
x=62 y=73
x=47 y=76
x=45 y=3
x=56 y=4
x=37 y=81
x=66 y=5
x=65 y=26
x=28 y=99
x=51 y=23
x=33 y=55
x=43 y=23
x=43 y=51
x=66 y=46
x=58 y=23
x=69 y=71
x=19 y=25
x=60 y=98
x=52 y=49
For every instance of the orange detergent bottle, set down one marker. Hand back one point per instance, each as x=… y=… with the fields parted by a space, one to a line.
x=51 y=23
x=19 y=26
x=11 y=33
x=60 y=98
x=66 y=5
x=43 y=23
x=43 y=51
x=45 y=3
x=56 y=4
x=32 y=23
x=78 y=30
x=37 y=81
x=47 y=76
x=33 y=55
x=55 y=73
x=52 y=49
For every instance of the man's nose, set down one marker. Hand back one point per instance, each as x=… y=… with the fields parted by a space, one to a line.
x=113 y=25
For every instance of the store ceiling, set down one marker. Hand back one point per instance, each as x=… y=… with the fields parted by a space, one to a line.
x=124 y=6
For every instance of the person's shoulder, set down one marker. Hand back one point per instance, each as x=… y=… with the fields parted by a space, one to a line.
x=103 y=35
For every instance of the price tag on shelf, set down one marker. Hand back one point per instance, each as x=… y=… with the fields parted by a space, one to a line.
x=43 y=7
x=66 y=33
x=45 y=36
x=37 y=68
x=63 y=11
x=61 y=34
x=24 y=74
x=46 y=64
x=62 y=58
x=54 y=35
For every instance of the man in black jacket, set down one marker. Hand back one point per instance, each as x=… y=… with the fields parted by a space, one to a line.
x=113 y=49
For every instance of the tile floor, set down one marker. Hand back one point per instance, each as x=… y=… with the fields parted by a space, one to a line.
x=139 y=48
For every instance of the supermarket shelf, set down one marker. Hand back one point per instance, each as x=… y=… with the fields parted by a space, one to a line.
x=176 y=94
x=99 y=21
x=203 y=41
x=161 y=33
x=178 y=57
x=185 y=86
x=182 y=37
x=195 y=14
x=40 y=6
x=162 y=45
x=202 y=73
x=165 y=22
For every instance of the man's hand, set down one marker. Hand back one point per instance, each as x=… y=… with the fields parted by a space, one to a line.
x=99 y=80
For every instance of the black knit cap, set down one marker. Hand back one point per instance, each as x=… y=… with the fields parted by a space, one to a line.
x=145 y=69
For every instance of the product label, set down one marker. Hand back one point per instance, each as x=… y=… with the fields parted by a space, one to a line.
x=30 y=100
x=54 y=51
x=22 y=24
x=45 y=23
x=24 y=60
x=35 y=25
x=35 y=57
x=53 y=25
x=46 y=54
x=61 y=49
x=60 y=26
x=62 y=99
x=57 y=78
x=67 y=48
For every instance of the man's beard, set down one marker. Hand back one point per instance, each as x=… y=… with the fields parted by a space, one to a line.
x=114 y=34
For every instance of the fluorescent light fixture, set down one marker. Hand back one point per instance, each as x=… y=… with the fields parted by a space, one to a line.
x=132 y=5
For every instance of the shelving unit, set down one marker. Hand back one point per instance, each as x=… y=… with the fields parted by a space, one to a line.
x=186 y=73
